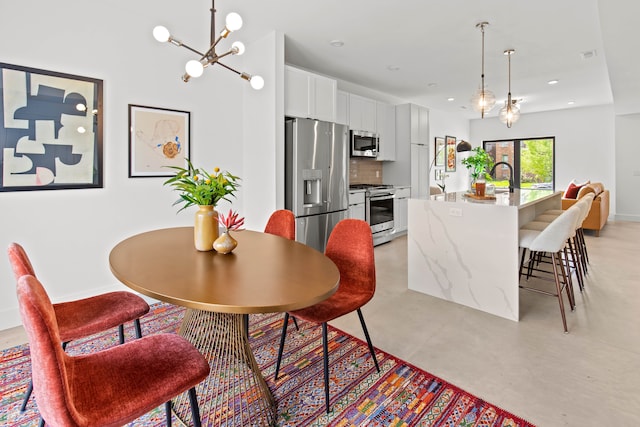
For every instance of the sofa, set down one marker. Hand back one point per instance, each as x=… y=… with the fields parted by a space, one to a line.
x=599 y=212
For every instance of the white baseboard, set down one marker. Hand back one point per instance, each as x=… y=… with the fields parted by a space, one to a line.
x=632 y=218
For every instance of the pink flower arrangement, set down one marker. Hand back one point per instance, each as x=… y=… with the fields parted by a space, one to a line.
x=231 y=221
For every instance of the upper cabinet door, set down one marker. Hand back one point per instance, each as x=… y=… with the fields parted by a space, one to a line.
x=309 y=95
x=386 y=121
x=362 y=113
x=342 y=108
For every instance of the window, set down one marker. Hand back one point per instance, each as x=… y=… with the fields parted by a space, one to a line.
x=532 y=159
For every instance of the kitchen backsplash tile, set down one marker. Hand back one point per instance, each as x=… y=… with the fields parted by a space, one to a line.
x=364 y=171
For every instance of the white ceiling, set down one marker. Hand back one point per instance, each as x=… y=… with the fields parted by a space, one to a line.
x=437 y=47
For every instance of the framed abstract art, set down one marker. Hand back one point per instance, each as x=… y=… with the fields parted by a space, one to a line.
x=50 y=130
x=450 y=158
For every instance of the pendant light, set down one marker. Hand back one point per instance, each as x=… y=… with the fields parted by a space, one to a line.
x=195 y=67
x=510 y=113
x=483 y=100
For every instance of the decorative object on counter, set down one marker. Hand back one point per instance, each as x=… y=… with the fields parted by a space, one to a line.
x=195 y=68
x=478 y=163
x=225 y=244
x=450 y=157
x=483 y=100
x=198 y=187
x=510 y=113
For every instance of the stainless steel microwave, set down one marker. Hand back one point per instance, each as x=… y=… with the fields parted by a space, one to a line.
x=364 y=144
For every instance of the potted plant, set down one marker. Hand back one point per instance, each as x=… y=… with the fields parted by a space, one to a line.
x=204 y=189
x=478 y=163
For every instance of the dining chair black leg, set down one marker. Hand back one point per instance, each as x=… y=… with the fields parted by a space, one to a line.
x=366 y=335
x=325 y=350
x=295 y=322
x=27 y=395
x=136 y=324
x=121 y=333
x=195 y=409
x=41 y=423
x=167 y=410
x=282 y=337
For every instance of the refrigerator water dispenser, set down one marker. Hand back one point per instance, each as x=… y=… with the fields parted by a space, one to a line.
x=312 y=189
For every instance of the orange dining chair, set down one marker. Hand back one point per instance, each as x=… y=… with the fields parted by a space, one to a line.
x=84 y=317
x=350 y=247
x=281 y=223
x=109 y=387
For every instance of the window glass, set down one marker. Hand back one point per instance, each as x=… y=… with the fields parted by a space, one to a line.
x=532 y=160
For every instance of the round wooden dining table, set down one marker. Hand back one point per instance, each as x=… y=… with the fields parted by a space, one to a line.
x=264 y=274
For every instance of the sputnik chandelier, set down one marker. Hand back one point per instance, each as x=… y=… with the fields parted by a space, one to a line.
x=194 y=68
x=483 y=100
x=510 y=113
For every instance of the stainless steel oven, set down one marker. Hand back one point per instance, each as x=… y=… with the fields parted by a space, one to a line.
x=379 y=212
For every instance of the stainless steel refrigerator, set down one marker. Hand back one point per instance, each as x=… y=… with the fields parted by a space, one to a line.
x=316 y=174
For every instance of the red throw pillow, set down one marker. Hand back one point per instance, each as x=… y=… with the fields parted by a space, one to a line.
x=572 y=191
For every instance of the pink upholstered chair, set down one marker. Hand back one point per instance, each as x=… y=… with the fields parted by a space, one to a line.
x=281 y=223
x=350 y=247
x=81 y=318
x=109 y=387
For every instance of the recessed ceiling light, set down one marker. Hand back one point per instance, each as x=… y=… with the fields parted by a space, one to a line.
x=393 y=68
x=571 y=102
x=432 y=85
x=451 y=99
x=553 y=82
x=588 y=54
x=336 y=43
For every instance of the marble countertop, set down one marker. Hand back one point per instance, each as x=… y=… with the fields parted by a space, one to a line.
x=519 y=198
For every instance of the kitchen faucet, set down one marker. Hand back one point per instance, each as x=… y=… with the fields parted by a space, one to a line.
x=493 y=169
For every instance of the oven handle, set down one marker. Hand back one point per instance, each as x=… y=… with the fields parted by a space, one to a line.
x=382 y=196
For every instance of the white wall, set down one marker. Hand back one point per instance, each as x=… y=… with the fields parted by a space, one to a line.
x=69 y=233
x=442 y=124
x=585 y=142
x=627 y=167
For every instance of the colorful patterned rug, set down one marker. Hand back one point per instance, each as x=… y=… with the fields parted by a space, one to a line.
x=400 y=395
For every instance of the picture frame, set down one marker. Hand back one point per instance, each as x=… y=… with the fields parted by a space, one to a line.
x=158 y=138
x=51 y=130
x=451 y=154
x=439 y=150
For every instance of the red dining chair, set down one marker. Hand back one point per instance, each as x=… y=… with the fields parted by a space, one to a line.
x=84 y=317
x=281 y=223
x=109 y=387
x=350 y=247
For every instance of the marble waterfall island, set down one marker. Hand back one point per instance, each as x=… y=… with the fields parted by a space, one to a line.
x=466 y=251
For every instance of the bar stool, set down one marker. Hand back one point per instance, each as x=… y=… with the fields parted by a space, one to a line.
x=553 y=242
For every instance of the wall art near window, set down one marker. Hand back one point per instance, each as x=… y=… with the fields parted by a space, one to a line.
x=450 y=160
x=440 y=151
x=158 y=137
x=50 y=130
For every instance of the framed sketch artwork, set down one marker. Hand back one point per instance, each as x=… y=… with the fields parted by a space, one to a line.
x=450 y=158
x=50 y=130
x=158 y=138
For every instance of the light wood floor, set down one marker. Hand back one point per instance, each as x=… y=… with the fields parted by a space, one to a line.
x=588 y=377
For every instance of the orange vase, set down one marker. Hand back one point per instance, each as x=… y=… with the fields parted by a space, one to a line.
x=205 y=230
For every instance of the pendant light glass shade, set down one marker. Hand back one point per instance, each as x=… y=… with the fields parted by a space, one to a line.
x=510 y=113
x=483 y=101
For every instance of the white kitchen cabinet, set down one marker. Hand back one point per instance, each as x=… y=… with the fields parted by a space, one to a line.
x=386 y=122
x=309 y=95
x=419 y=171
x=356 y=205
x=342 y=107
x=414 y=120
x=362 y=113
x=401 y=210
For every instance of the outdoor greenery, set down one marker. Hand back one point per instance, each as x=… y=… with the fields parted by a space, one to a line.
x=536 y=161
